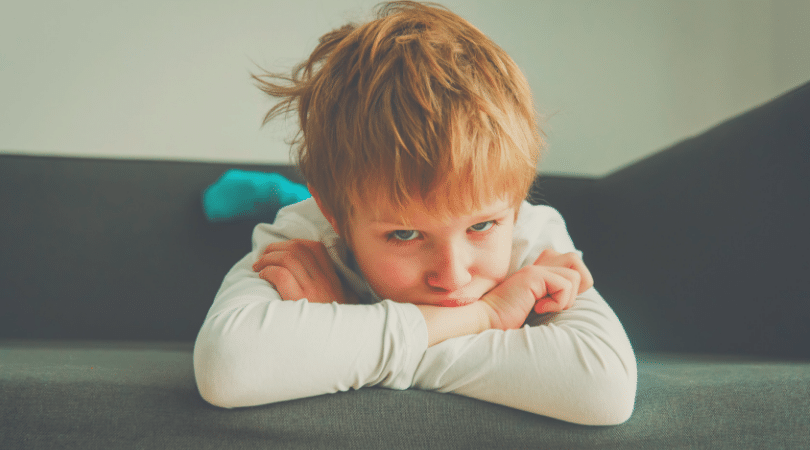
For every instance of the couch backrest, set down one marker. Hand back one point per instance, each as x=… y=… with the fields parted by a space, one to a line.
x=704 y=246
x=120 y=249
x=110 y=249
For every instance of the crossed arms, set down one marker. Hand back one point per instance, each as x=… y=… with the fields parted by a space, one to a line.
x=255 y=347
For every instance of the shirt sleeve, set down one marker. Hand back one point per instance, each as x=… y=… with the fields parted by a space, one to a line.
x=253 y=348
x=576 y=365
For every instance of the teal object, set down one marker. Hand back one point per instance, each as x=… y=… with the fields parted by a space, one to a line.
x=247 y=195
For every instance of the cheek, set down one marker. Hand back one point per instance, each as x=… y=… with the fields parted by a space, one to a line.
x=388 y=274
x=494 y=262
x=494 y=268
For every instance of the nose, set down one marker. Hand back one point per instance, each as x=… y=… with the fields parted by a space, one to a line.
x=450 y=267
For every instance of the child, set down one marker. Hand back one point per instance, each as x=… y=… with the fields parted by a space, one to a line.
x=417 y=262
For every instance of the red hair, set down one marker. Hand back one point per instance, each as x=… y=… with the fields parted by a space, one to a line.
x=415 y=105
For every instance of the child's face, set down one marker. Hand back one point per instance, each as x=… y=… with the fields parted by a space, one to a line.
x=432 y=261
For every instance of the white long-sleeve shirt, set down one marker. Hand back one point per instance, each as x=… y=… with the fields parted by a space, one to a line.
x=254 y=348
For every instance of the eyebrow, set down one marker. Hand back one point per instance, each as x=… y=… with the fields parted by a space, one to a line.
x=474 y=219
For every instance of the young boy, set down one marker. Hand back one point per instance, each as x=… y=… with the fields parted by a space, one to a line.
x=417 y=263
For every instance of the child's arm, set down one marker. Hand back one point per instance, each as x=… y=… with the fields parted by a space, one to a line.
x=254 y=348
x=301 y=268
x=549 y=285
x=576 y=365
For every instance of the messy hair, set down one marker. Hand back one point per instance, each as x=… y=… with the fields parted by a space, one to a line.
x=416 y=105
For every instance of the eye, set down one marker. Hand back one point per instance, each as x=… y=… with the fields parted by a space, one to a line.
x=405 y=235
x=483 y=226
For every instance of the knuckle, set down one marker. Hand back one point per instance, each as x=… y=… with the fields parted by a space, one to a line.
x=266 y=271
x=532 y=273
x=297 y=245
x=267 y=275
x=571 y=260
x=546 y=255
x=288 y=259
x=566 y=272
x=306 y=244
x=278 y=275
x=318 y=249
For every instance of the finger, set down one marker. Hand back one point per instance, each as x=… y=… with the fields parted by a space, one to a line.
x=296 y=257
x=585 y=277
x=559 y=290
x=325 y=263
x=303 y=249
x=546 y=305
x=296 y=246
x=284 y=267
x=324 y=277
x=309 y=263
x=279 y=246
x=548 y=257
x=283 y=282
x=312 y=255
x=296 y=264
x=573 y=279
x=570 y=260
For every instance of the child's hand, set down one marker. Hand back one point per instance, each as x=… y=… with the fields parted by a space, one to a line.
x=571 y=260
x=551 y=284
x=302 y=269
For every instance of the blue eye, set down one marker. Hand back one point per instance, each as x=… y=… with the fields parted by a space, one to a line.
x=483 y=226
x=405 y=235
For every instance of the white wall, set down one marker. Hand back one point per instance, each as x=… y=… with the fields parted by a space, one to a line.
x=617 y=79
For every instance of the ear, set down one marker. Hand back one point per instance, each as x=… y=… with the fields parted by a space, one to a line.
x=325 y=211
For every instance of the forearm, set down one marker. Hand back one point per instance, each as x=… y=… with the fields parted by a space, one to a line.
x=255 y=348
x=578 y=366
x=445 y=323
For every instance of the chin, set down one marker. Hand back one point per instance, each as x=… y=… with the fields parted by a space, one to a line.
x=452 y=303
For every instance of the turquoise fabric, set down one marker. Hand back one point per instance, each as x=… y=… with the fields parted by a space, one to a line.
x=242 y=195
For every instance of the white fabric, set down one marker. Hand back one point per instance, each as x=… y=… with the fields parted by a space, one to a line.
x=254 y=348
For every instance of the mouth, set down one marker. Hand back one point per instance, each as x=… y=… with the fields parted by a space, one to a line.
x=467 y=295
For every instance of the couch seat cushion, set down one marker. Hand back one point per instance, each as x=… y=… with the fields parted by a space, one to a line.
x=142 y=395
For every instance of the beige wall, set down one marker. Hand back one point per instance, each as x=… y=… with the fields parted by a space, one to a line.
x=617 y=79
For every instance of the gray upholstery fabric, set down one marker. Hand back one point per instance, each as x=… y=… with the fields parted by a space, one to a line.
x=700 y=249
x=108 y=395
x=111 y=249
x=704 y=246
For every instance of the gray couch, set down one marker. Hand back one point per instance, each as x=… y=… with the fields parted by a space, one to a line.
x=107 y=268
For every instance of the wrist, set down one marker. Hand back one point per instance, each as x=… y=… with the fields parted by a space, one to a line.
x=485 y=314
x=490 y=307
x=449 y=322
